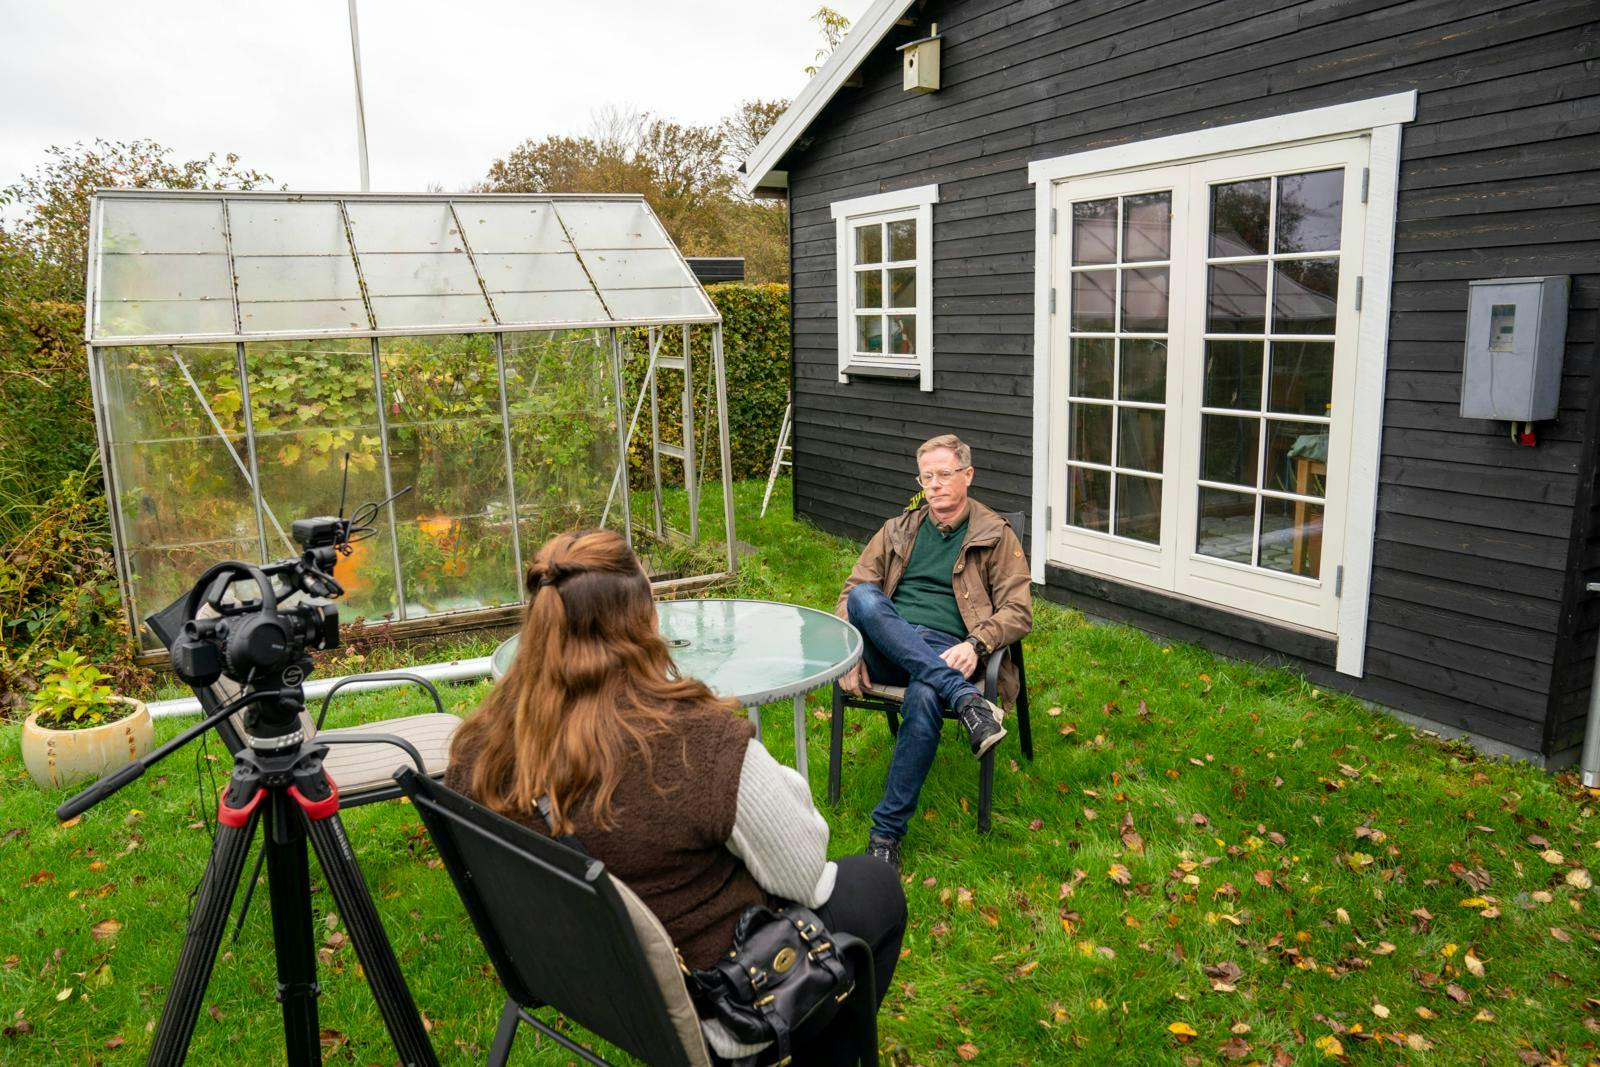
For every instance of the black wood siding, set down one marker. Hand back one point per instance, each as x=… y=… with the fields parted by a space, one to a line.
x=1477 y=619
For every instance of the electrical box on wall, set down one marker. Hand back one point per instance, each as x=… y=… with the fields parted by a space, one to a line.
x=920 y=62
x=1516 y=331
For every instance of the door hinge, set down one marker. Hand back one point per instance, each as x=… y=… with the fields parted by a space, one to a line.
x=1359 y=281
x=1338 y=580
x=1052 y=220
x=1052 y=300
x=1047 y=513
x=1366 y=177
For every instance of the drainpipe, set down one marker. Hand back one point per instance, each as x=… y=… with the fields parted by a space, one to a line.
x=1590 y=762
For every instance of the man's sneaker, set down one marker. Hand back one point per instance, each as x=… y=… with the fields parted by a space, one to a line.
x=886 y=849
x=982 y=720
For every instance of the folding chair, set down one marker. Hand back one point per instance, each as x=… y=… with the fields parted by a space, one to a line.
x=562 y=933
x=888 y=698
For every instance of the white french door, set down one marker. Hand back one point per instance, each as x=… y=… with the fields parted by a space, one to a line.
x=1202 y=376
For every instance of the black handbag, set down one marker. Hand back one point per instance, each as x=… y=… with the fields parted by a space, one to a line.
x=783 y=980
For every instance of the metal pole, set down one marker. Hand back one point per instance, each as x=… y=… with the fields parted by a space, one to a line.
x=624 y=434
x=361 y=107
x=388 y=484
x=1590 y=761
x=511 y=467
x=721 y=376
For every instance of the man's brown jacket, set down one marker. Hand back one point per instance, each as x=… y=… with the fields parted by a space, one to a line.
x=990 y=581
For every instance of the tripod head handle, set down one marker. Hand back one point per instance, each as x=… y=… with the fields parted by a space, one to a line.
x=75 y=806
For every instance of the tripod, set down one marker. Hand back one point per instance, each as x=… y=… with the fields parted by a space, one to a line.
x=287 y=795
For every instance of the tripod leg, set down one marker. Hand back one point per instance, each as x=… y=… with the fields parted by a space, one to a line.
x=377 y=958
x=289 y=891
x=199 y=954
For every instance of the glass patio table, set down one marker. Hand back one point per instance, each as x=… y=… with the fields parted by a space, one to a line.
x=752 y=651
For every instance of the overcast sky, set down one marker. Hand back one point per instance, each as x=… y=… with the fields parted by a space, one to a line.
x=449 y=87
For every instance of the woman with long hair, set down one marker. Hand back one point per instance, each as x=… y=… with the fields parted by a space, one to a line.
x=654 y=774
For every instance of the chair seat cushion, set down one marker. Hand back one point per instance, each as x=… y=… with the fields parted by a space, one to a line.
x=896 y=693
x=358 y=767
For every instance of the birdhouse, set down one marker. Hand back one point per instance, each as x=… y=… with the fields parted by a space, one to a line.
x=921 y=63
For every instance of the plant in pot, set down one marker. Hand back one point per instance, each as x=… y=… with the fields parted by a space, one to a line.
x=77 y=728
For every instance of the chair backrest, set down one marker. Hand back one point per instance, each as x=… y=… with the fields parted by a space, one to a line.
x=554 y=926
x=1015 y=519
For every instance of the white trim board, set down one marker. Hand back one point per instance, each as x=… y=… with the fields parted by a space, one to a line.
x=916 y=202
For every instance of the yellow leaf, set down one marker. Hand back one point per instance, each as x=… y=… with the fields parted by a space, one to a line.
x=1579 y=878
x=1484 y=1016
x=1329 y=1046
x=1418 y=1043
x=105 y=929
x=1474 y=965
x=1344 y=916
x=1550 y=855
x=1424 y=1013
x=1449 y=950
x=1099 y=1004
x=1474 y=902
x=1183 y=1031
x=1119 y=874
x=64 y=994
x=1380 y=1011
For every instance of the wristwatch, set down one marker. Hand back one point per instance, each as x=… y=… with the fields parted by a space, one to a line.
x=977 y=645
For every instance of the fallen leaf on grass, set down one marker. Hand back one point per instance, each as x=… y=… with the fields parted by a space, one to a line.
x=1551 y=856
x=1130 y=836
x=1560 y=934
x=1183 y=1032
x=963 y=897
x=1036 y=825
x=1380 y=1011
x=1053 y=712
x=64 y=994
x=1224 y=976
x=1456 y=993
x=1342 y=915
x=1384 y=948
x=1473 y=964
x=1119 y=874
x=1425 y=1013
x=1235 y=1048
x=1578 y=878
x=116 y=1042
x=105 y=929
x=967 y=1051
x=1484 y=1016
x=1329 y=1046
x=1028 y=968
x=1418 y=1043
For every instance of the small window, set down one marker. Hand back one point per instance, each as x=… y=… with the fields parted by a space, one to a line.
x=886 y=286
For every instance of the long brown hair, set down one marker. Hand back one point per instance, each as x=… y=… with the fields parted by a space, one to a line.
x=591 y=680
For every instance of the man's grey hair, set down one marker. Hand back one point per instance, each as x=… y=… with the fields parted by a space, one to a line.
x=955 y=444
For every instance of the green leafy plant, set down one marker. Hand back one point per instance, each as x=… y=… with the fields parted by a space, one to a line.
x=73 y=695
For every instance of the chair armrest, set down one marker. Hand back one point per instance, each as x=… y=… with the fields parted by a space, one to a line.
x=991 y=672
x=385 y=676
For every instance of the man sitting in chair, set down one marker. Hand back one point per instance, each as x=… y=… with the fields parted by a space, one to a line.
x=936 y=590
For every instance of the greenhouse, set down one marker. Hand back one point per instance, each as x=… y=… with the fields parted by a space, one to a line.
x=262 y=357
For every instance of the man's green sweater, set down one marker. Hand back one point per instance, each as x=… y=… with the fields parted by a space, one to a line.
x=926 y=594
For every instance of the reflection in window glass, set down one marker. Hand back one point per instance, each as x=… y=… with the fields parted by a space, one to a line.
x=903 y=334
x=1302 y=377
x=1233 y=375
x=1239 y=213
x=1089 y=498
x=1226 y=525
x=1144 y=370
x=1297 y=457
x=1091 y=367
x=869 y=289
x=1090 y=440
x=1228 y=448
x=869 y=243
x=1139 y=508
x=1094 y=306
x=1291 y=536
x=1236 y=298
x=1310 y=211
x=1139 y=438
x=903 y=287
x=1144 y=300
x=1147 y=227
x=869 y=334
x=1094 y=231
x=1304 y=295
x=903 y=240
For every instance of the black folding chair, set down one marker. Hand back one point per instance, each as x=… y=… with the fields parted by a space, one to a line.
x=562 y=933
x=888 y=698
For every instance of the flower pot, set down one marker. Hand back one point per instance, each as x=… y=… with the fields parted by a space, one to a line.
x=62 y=757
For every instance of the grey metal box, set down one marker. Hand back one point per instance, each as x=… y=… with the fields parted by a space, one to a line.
x=1516 y=332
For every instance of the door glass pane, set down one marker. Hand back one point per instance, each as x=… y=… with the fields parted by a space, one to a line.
x=1297 y=457
x=903 y=287
x=1089 y=498
x=869 y=289
x=1140 y=438
x=1302 y=378
x=1144 y=300
x=903 y=239
x=1226 y=527
x=1310 y=209
x=1291 y=536
x=1239 y=212
x=903 y=335
x=1146 y=227
x=1228 y=448
x=869 y=243
x=1138 y=508
x=1304 y=295
x=1094 y=231
x=1144 y=371
x=1091 y=367
x=1233 y=375
x=869 y=333
x=1091 y=433
x=1094 y=301
x=1236 y=298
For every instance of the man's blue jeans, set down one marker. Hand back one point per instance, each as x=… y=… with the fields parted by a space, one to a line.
x=901 y=653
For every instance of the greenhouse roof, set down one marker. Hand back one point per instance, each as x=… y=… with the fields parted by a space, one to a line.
x=170 y=266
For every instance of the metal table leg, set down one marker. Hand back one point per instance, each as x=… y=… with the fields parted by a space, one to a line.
x=800 y=737
x=754 y=715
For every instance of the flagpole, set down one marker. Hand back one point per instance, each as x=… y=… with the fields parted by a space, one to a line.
x=361 y=108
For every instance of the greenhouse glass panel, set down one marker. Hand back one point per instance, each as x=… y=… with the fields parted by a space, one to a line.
x=512 y=227
x=603 y=224
x=446 y=441
x=655 y=303
x=550 y=307
x=287 y=228
x=162 y=264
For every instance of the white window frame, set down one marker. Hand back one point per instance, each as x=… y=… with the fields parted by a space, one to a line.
x=1379 y=119
x=916 y=203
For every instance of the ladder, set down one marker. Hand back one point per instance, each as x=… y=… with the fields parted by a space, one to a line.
x=778 y=459
x=684 y=451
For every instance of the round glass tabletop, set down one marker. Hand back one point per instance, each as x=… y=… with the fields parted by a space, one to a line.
x=753 y=651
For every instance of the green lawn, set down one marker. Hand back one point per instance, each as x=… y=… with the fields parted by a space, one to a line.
x=1207 y=862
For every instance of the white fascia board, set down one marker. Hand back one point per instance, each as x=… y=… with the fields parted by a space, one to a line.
x=897 y=200
x=857 y=44
x=1358 y=116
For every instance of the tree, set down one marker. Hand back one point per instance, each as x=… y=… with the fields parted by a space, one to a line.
x=743 y=129
x=833 y=26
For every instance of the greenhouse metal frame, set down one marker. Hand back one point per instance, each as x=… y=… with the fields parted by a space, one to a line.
x=553 y=283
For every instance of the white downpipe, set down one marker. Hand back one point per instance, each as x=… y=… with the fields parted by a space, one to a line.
x=457 y=670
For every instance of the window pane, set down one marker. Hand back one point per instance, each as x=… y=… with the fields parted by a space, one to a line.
x=1226 y=527
x=869 y=243
x=1302 y=378
x=1091 y=367
x=903 y=287
x=1140 y=438
x=903 y=239
x=1144 y=300
x=869 y=333
x=869 y=289
x=1094 y=301
x=1309 y=211
x=1146 y=228
x=1304 y=296
x=1094 y=231
x=1236 y=299
x=1228 y=449
x=1089 y=498
x=1239 y=213
x=1291 y=537
x=903 y=335
x=1233 y=375
x=1144 y=371
x=1091 y=434
x=1138 y=508
x=1297 y=457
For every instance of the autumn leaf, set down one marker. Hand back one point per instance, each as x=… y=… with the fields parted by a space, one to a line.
x=105 y=929
x=1028 y=968
x=1119 y=874
x=1456 y=993
x=1551 y=856
x=1130 y=836
x=1329 y=1046
x=1235 y=1048
x=967 y=1051
x=1578 y=878
x=1418 y=1043
x=1263 y=878
x=963 y=897
x=1183 y=1032
x=1473 y=964
x=1380 y=1011
x=1384 y=948
x=1560 y=934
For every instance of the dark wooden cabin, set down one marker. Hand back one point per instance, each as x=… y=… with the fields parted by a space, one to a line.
x=1192 y=277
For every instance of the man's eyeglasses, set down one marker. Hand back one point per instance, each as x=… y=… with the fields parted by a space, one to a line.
x=927 y=478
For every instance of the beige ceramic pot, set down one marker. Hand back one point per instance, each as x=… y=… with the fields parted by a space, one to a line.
x=62 y=757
